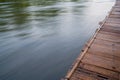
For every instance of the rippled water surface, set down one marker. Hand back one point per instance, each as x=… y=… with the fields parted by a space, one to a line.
x=40 y=39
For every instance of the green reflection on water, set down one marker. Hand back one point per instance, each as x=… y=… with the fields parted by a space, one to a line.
x=15 y=14
x=47 y=13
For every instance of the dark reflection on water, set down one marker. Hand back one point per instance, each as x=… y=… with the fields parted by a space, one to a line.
x=40 y=39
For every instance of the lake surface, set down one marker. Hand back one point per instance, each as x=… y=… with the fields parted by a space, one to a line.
x=40 y=39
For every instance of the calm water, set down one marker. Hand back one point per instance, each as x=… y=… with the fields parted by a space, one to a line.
x=40 y=39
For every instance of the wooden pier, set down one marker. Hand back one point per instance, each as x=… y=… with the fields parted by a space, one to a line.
x=100 y=58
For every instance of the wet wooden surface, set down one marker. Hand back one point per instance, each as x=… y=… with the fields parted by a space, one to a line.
x=100 y=59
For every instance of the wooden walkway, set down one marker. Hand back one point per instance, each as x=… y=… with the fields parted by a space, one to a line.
x=100 y=59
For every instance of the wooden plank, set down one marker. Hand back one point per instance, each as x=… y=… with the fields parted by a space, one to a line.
x=112 y=27
x=109 y=33
x=112 y=24
x=103 y=52
x=114 y=16
x=117 y=3
x=103 y=62
x=113 y=20
x=79 y=75
x=101 y=71
x=115 y=9
x=107 y=43
x=114 y=47
x=116 y=6
x=108 y=37
x=106 y=52
x=115 y=12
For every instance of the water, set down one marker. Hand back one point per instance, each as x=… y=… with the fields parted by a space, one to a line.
x=40 y=39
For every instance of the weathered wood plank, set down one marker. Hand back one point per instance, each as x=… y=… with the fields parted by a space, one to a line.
x=113 y=20
x=103 y=62
x=114 y=16
x=104 y=50
x=115 y=12
x=109 y=33
x=108 y=37
x=116 y=9
x=79 y=75
x=101 y=71
x=111 y=27
x=112 y=24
